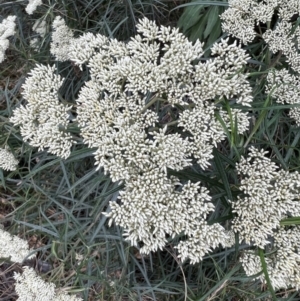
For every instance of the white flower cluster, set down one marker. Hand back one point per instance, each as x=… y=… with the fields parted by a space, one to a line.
x=283 y=265
x=32 y=6
x=156 y=65
x=62 y=37
x=45 y=119
x=285 y=88
x=7 y=160
x=13 y=247
x=282 y=39
x=240 y=21
x=126 y=78
x=7 y=29
x=40 y=27
x=30 y=287
x=152 y=208
x=242 y=16
x=116 y=113
x=270 y=196
x=237 y=117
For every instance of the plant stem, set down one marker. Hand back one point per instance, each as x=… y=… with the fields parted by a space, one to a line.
x=264 y=267
x=174 y=122
x=151 y=102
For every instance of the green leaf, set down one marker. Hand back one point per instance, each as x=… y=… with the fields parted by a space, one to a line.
x=198 y=29
x=265 y=270
x=213 y=17
x=292 y=147
x=39 y=228
x=2 y=179
x=259 y=120
x=214 y=35
x=221 y=170
x=207 y=3
x=219 y=284
x=228 y=134
x=290 y=221
x=190 y=17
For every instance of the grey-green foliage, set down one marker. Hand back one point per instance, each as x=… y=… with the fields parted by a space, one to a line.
x=200 y=20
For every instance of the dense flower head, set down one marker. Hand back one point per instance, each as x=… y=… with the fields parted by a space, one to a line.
x=61 y=38
x=152 y=207
x=7 y=160
x=157 y=65
x=122 y=109
x=40 y=28
x=7 y=29
x=270 y=195
x=284 y=39
x=284 y=87
x=283 y=263
x=44 y=120
x=30 y=287
x=243 y=15
x=32 y=6
x=13 y=247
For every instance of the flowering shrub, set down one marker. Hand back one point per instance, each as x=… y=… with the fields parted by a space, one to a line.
x=170 y=127
x=116 y=113
x=128 y=79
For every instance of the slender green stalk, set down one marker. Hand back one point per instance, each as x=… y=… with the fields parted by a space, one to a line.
x=151 y=102
x=264 y=267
